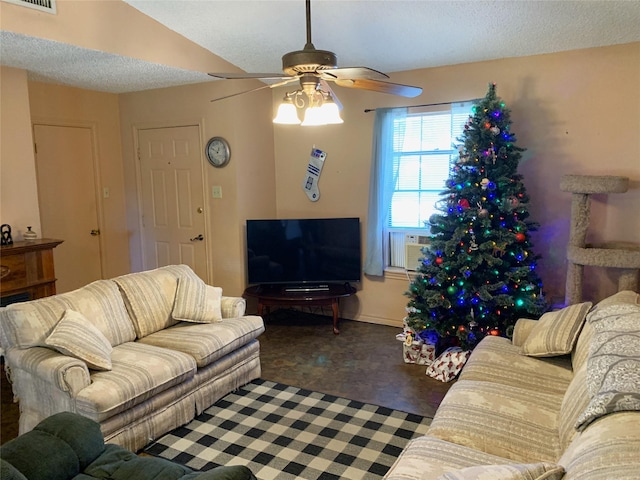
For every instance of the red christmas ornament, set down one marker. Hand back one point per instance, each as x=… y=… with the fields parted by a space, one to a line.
x=439 y=261
x=520 y=237
x=464 y=203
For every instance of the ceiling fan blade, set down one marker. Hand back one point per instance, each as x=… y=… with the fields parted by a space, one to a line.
x=243 y=76
x=273 y=85
x=349 y=73
x=381 y=87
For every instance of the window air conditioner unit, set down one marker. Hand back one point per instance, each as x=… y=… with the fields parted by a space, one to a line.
x=413 y=250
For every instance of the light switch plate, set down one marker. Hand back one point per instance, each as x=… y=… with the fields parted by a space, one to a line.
x=216 y=191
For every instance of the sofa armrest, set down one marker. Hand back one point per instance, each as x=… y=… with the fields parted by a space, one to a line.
x=233 y=307
x=67 y=374
x=521 y=330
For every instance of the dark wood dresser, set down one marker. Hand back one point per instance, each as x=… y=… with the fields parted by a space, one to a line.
x=26 y=270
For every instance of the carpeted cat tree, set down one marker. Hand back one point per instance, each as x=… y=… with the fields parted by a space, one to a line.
x=622 y=256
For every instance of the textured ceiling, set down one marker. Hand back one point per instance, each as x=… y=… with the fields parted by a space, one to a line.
x=387 y=35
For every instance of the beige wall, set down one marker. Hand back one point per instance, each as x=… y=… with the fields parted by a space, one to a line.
x=18 y=191
x=576 y=113
x=67 y=106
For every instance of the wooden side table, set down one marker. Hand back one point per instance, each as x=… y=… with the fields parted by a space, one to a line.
x=26 y=270
x=278 y=295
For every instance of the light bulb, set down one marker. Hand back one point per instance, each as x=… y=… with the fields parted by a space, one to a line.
x=313 y=117
x=287 y=113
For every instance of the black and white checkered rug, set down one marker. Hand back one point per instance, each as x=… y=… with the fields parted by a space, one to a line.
x=282 y=432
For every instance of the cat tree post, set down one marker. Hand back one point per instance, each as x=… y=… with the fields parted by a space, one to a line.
x=626 y=257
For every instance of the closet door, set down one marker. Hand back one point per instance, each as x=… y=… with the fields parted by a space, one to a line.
x=68 y=203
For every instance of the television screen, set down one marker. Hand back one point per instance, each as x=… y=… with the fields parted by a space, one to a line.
x=303 y=251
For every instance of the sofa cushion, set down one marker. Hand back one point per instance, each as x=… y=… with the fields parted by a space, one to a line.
x=574 y=403
x=522 y=471
x=206 y=343
x=59 y=447
x=9 y=472
x=82 y=434
x=101 y=303
x=139 y=372
x=556 y=332
x=613 y=365
x=497 y=360
x=605 y=450
x=512 y=422
x=427 y=457
x=122 y=464
x=583 y=345
x=41 y=456
x=149 y=297
x=75 y=337
x=28 y=324
x=197 y=302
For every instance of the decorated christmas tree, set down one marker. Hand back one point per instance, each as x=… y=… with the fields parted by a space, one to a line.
x=478 y=273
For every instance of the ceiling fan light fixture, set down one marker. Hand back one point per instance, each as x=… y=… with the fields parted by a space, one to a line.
x=330 y=112
x=313 y=117
x=287 y=113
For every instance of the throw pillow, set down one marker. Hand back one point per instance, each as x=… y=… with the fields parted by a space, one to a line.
x=613 y=364
x=556 y=332
x=75 y=337
x=524 y=471
x=197 y=302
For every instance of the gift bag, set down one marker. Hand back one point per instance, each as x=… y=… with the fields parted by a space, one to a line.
x=448 y=364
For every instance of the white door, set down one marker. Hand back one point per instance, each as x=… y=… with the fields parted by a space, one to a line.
x=173 y=221
x=68 y=204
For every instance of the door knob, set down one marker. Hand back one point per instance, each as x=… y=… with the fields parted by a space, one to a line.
x=198 y=238
x=95 y=232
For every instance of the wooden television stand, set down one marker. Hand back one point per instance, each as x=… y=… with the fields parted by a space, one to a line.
x=303 y=295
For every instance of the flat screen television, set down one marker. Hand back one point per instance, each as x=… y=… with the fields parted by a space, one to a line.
x=313 y=251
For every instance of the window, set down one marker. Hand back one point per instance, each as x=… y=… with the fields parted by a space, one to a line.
x=412 y=152
x=423 y=149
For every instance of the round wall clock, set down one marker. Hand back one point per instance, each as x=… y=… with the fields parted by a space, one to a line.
x=217 y=152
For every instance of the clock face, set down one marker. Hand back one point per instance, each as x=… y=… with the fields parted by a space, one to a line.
x=218 y=152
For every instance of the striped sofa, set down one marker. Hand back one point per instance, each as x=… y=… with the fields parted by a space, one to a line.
x=560 y=401
x=140 y=354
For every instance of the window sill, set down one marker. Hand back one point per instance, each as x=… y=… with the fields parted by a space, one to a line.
x=397 y=273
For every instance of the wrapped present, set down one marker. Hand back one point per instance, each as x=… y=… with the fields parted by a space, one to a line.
x=427 y=354
x=448 y=364
x=415 y=350
x=411 y=353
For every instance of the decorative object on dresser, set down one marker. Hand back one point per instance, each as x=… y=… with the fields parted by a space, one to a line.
x=5 y=234
x=27 y=270
x=29 y=235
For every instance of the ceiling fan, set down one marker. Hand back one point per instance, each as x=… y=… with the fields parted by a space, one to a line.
x=314 y=68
